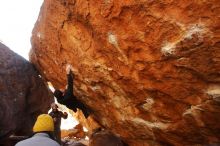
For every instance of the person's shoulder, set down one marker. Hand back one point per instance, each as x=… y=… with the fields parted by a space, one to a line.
x=23 y=142
x=54 y=143
x=19 y=144
x=45 y=140
x=49 y=142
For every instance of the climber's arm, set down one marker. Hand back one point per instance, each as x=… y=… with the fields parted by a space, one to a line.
x=64 y=115
x=70 y=82
x=69 y=91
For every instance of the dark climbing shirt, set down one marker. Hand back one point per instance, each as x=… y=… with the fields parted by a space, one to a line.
x=70 y=100
x=57 y=118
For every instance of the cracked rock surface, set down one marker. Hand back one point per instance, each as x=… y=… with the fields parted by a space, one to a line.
x=23 y=94
x=150 y=70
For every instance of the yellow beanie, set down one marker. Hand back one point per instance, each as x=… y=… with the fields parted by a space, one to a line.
x=44 y=122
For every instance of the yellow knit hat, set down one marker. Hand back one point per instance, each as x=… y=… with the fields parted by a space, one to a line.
x=44 y=122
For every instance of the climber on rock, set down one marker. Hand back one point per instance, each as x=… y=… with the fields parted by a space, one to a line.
x=57 y=115
x=43 y=133
x=67 y=97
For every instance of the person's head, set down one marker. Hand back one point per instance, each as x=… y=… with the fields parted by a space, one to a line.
x=104 y=138
x=44 y=123
x=58 y=94
x=54 y=107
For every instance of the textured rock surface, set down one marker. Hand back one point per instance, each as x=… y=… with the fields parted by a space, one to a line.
x=101 y=138
x=23 y=94
x=76 y=132
x=149 y=69
x=90 y=123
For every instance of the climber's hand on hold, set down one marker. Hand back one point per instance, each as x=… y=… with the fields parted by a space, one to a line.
x=68 y=68
x=72 y=74
x=65 y=115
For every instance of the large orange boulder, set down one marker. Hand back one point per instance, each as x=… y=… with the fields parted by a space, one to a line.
x=150 y=70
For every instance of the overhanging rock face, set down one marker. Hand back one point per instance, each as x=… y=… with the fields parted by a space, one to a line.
x=150 y=70
x=23 y=95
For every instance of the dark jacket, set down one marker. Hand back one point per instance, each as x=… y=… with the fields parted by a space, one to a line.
x=70 y=100
x=57 y=115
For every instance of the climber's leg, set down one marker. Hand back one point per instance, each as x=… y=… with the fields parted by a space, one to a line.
x=85 y=110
